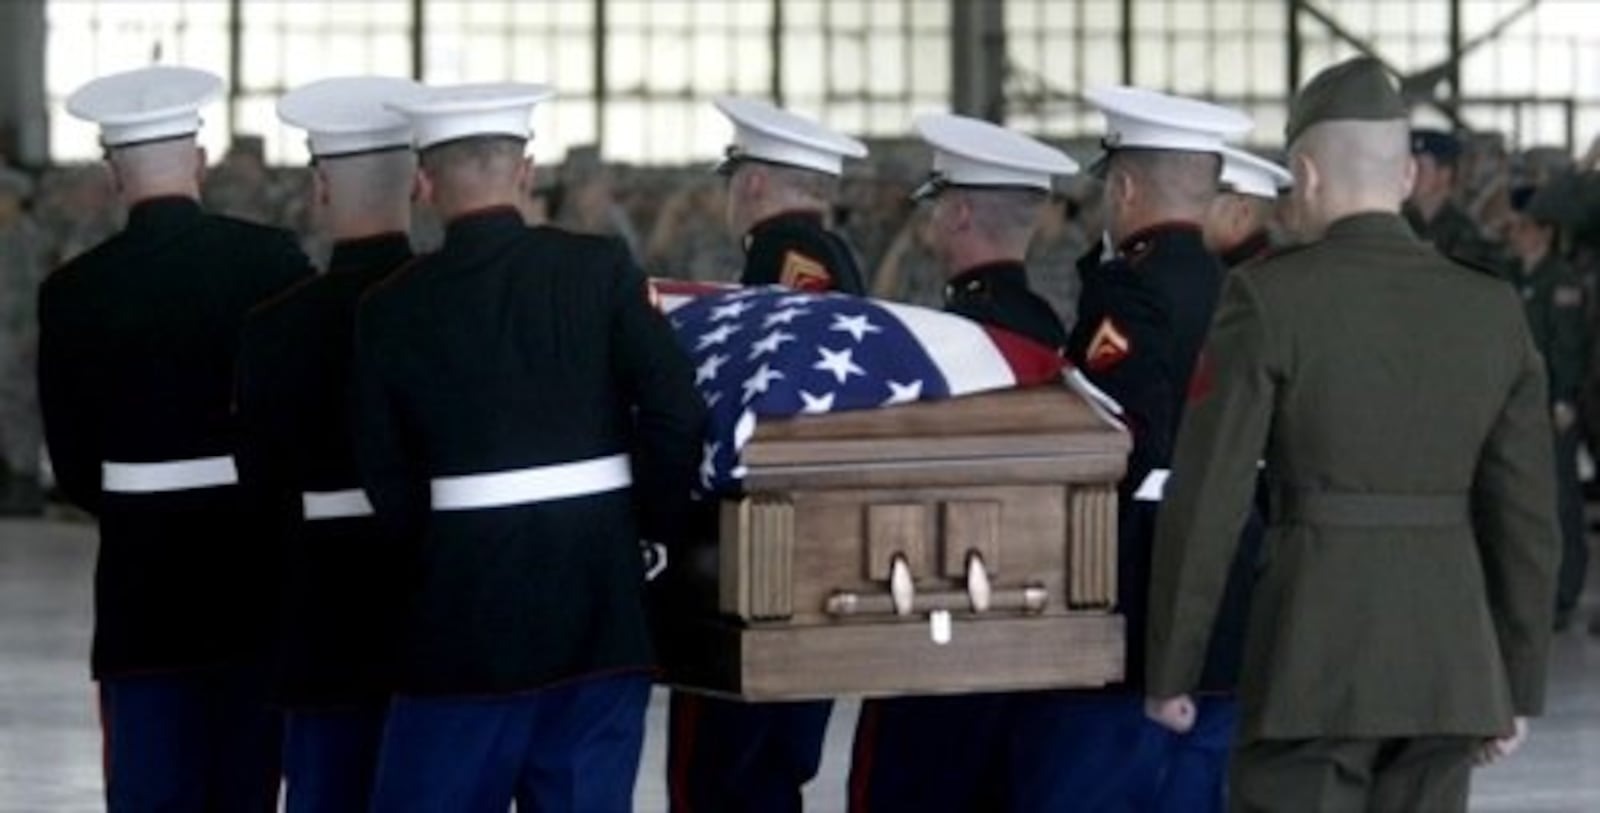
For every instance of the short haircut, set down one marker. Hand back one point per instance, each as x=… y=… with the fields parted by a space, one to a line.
x=1003 y=214
x=472 y=159
x=1357 y=157
x=371 y=180
x=805 y=183
x=1171 y=178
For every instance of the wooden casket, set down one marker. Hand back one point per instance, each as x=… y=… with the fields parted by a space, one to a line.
x=943 y=547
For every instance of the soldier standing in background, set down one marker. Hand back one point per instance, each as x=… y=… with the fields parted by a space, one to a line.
x=782 y=171
x=1553 y=297
x=343 y=580
x=25 y=257
x=1195 y=773
x=1432 y=210
x=1058 y=242
x=137 y=343
x=1400 y=626
x=1238 y=222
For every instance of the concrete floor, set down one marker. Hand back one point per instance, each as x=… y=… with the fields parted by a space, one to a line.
x=50 y=748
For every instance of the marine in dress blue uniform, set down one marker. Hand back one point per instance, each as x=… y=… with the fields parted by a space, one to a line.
x=928 y=754
x=137 y=345
x=526 y=418
x=341 y=580
x=1142 y=318
x=725 y=755
x=1194 y=773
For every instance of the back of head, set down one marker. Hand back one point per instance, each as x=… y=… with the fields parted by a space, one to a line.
x=1171 y=184
x=1349 y=146
x=171 y=167
x=368 y=193
x=475 y=173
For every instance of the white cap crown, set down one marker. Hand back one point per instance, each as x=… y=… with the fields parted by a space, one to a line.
x=350 y=115
x=453 y=112
x=1246 y=174
x=1145 y=119
x=973 y=152
x=767 y=133
x=147 y=104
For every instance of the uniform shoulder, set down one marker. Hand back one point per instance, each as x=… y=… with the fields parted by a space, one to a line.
x=236 y=228
x=274 y=310
x=76 y=271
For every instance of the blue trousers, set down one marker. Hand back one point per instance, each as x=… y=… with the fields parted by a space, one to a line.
x=197 y=740
x=930 y=754
x=572 y=748
x=724 y=756
x=1075 y=751
x=330 y=759
x=1195 y=767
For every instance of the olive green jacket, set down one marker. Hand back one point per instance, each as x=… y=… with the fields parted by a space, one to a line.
x=1408 y=580
x=1553 y=298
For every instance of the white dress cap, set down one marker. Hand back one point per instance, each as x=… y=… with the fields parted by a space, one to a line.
x=453 y=112
x=1246 y=174
x=1139 y=118
x=771 y=134
x=348 y=115
x=973 y=152
x=147 y=104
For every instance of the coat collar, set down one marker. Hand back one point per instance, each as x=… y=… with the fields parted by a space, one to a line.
x=377 y=251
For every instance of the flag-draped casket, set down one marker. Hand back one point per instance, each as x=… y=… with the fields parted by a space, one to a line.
x=899 y=501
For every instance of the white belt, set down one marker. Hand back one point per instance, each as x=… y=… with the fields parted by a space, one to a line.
x=174 y=475
x=1154 y=486
x=346 y=504
x=537 y=484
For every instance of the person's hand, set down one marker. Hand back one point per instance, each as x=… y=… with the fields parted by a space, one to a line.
x=1563 y=416
x=1176 y=714
x=1498 y=748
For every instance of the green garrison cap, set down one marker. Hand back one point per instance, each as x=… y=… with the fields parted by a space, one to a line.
x=1357 y=89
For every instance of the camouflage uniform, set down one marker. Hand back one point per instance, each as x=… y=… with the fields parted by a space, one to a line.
x=24 y=260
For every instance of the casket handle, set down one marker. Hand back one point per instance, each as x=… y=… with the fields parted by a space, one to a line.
x=979 y=590
x=902 y=588
x=1028 y=600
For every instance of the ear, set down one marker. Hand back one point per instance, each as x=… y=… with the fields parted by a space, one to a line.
x=1408 y=177
x=1308 y=178
x=319 y=186
x=422 y=192
x=113 y=174
x=525 y=176
x=1122 y=190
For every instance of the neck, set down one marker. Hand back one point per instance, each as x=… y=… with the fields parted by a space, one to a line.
x=1332 y=213
x=1138 y=221
x=963 y=258
x=769 y=210
x=359 y=226
x=133 y=196
x=451 y=208
x=1429 y=205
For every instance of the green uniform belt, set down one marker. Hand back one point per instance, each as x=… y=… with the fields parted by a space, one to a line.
x=1373 y=510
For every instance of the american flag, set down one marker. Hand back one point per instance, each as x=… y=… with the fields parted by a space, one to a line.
x=764 y=353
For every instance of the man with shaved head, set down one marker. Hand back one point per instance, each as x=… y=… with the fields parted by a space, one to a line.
x=1402 y=615
x=136 y=351
x=340 y=597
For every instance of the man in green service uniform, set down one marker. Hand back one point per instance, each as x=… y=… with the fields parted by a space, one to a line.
x=1402 y=615
x=1553 y=297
